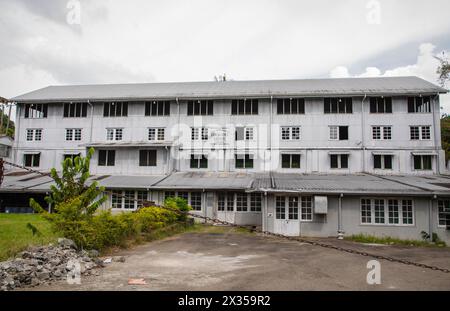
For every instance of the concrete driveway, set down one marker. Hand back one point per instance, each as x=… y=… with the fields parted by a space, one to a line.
x=222 y=259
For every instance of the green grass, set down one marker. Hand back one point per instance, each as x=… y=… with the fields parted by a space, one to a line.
x=363 y=238
x=15 y=236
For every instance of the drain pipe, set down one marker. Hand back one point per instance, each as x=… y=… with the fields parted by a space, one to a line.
x=264 y=214
x=340 y=231
x=363 y=136
x=430 y=217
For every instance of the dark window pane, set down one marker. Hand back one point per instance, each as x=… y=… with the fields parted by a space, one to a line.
x=342 y=105
x=294 y=106
x=190 y=110
x=36 y=158
x=287 y=106
x=151 y=157
x=349 y=105
x=241 y=106
x=334 y=105
x=154 y=108
x=377 y=161
x=203 y=108
x=255 y=106
x=147 y=108
x=380 y=104
x=84 y=110
x=124 y=109
x=102 y=158
x=373 y=105
x=388 y=162
x=426 y=162
x=118 y=109
x=78 y=109
x=326 y=105
x=248 y=107
x=279 y=106
x=295 y=161
x=234 y=105
x=417 y=162
x=142 y=157
x=411 y=104
x=167 y=108
x=388 y=104
x=44 y=110
x=239 y=162
x=301 y=105
x=66 y=110
x=111 y=157
x=160 y=108
x=203 y=162
x=344 y=160
x=285 y=161
x=210 y=107
x=27 y=110
x=196 y=108
x=27 y=159
x=72 y=110
x=343 y=132
x=194 y=161
x=334 y=160
x=248 y=162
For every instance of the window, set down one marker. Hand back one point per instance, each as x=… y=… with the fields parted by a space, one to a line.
x=36 y=111
x=142 y=197
x=32 y=160
x=114 y=134
x=244 y=161
x=116 y=199
x=200 y=108
x=291 y=106
x=280 y=208
x=339 y=160
x=244 y=106
x=338 y=105
x=199 y=161
x=156 y=134
x=444 y=213
x=366 y=211
x=290 y=133
x=419 y=104
x=157 y=108
x=225 y=202
x=381 y=105
x=241 y=202
x=196 y=201
x=338 y=132
x=422 y=162
x=128 y=200
x=115 y=109
x=34 y=134
x=106 y=157
x=382 y=161
x=290 y=161
x=379 y=211
x=198 y=133
x=73 y=134
x=244 y=133
x=382 y=132
x=147 y=157
x=70 y=156
x=420 y=132
x=255 y=202
x=75 y=110
x=387 y=212
x=293 y=208
x=306 y=208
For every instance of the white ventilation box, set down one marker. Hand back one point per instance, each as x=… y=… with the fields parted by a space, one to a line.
x=320 y=204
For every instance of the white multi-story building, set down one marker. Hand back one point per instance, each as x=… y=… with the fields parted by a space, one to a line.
x=300 y=157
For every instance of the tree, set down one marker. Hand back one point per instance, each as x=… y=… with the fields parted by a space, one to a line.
x=443 y=70
x=71 y=187
x=7 y=125
x=445 y=135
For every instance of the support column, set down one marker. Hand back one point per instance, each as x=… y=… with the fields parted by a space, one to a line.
x=340 y=229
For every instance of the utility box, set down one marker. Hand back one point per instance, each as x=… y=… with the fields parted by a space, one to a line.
x=320 y=204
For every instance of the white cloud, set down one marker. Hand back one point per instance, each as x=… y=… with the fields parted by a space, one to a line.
x=425 y=67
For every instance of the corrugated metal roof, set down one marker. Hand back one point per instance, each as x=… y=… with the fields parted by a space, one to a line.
x=129 y=182
x=262 y=88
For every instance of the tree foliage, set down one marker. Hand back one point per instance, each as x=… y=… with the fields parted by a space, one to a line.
x=445 y=135
x=443 y=70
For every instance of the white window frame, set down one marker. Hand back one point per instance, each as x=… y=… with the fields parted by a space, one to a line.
x=34 y=134
x=383 y=162
x=333 y=132
x=291 y=132
x=249 y=133
x=439 y=212
x=199 y=133
x=423 y=132
x=114 y=134
x=156 y=133
x=188 y=197
x=305 y=208
x=401 y=211
x=382 y=132
x=73 y=134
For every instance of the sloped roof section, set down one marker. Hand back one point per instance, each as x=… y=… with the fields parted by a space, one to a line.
x=212 y=89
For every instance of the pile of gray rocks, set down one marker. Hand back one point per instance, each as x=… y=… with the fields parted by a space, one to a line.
x=45 y=264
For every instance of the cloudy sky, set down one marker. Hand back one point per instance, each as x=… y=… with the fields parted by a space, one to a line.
x=51 y=42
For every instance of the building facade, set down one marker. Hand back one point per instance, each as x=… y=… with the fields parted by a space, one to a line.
x=311 y=157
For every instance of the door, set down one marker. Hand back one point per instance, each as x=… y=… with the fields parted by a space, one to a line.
x=286 y=216
x=225 y=207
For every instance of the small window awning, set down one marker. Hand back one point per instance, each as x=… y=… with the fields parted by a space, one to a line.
x=430 y=152
x=339 y=152
x=382 y=153
x=32 y=152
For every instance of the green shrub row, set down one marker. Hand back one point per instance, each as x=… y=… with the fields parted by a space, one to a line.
x=104 y=229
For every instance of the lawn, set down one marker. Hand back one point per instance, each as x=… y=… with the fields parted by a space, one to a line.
x=15 y=236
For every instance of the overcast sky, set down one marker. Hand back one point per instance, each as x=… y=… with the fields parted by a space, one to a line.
x=45 y=42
